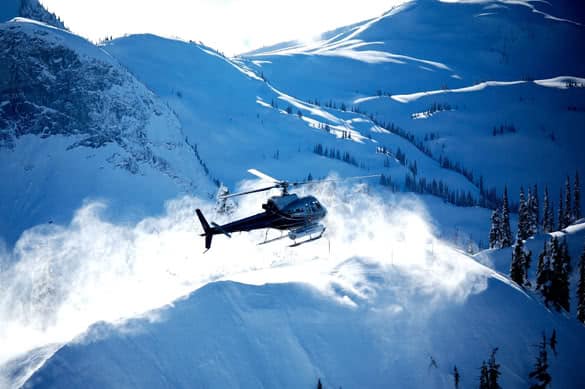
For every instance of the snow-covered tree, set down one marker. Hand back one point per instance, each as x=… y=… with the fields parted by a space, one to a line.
x=543 y=273
x=547 y=213
x=517 y=268
x=506 y=233
x=576 y=198
x=540 y=376
x=581 y=289
x=523 y=217
x=561 y=267
x=534 y=210
x=495 y=239
x=223 y=205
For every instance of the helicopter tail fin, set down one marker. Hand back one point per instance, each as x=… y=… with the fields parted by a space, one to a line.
x=208 y=233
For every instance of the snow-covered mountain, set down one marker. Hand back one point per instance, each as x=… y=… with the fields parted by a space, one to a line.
x=107 y=151
x=76 y=124
x=449 y=73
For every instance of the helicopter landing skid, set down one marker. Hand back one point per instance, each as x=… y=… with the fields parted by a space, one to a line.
x=272 y=240
x=311 y=239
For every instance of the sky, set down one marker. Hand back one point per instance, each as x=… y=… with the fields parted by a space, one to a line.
x=231 y=26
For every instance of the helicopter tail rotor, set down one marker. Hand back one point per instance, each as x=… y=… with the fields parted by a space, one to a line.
x=208 y=233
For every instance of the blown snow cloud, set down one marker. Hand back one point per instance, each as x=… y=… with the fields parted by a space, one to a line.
x=61 y=279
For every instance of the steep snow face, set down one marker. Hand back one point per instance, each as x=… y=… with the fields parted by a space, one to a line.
x=477 y=62
x=289 y=335
x=75 y=124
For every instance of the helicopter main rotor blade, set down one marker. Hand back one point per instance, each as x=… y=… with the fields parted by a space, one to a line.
x=333 y=180
x=263 y=176
x=248 y=192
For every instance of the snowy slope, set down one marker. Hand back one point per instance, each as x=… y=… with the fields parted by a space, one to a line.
x=227 y=110
x=74 y=125
x=246 y=327
x=142 y=120
x=431 y=43
x=397 y=66
x=360 y=322
x=224 y=114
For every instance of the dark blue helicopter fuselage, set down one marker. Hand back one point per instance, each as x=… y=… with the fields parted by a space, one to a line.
x=287 y=212
x=280 y=212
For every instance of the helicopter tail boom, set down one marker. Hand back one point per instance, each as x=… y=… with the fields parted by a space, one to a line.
x=208 y=232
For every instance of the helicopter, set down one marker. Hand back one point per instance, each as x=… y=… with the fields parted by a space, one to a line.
x=300 y=216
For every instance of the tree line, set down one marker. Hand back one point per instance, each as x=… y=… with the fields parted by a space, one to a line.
x=553 y=269
x=530 y=216
x=334 y=153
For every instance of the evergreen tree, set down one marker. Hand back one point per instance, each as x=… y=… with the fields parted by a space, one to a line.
x=581 y=289
x=483 y=376
x=535 y=209
x=493 y=371
x=553 y=342
x=319 y=384
x=568 y=209
x=559 y=286
x=547 y=213
x=561 y=216
x=517 y=267
x=577 y=198
x=456 y=377
x=523 y=217
x=540 y=375
x=224 y=205
x=565 y=291
x=495 y=238
x=506 y=233
x=555 y=271
x=527 y=263
x=543 y=274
